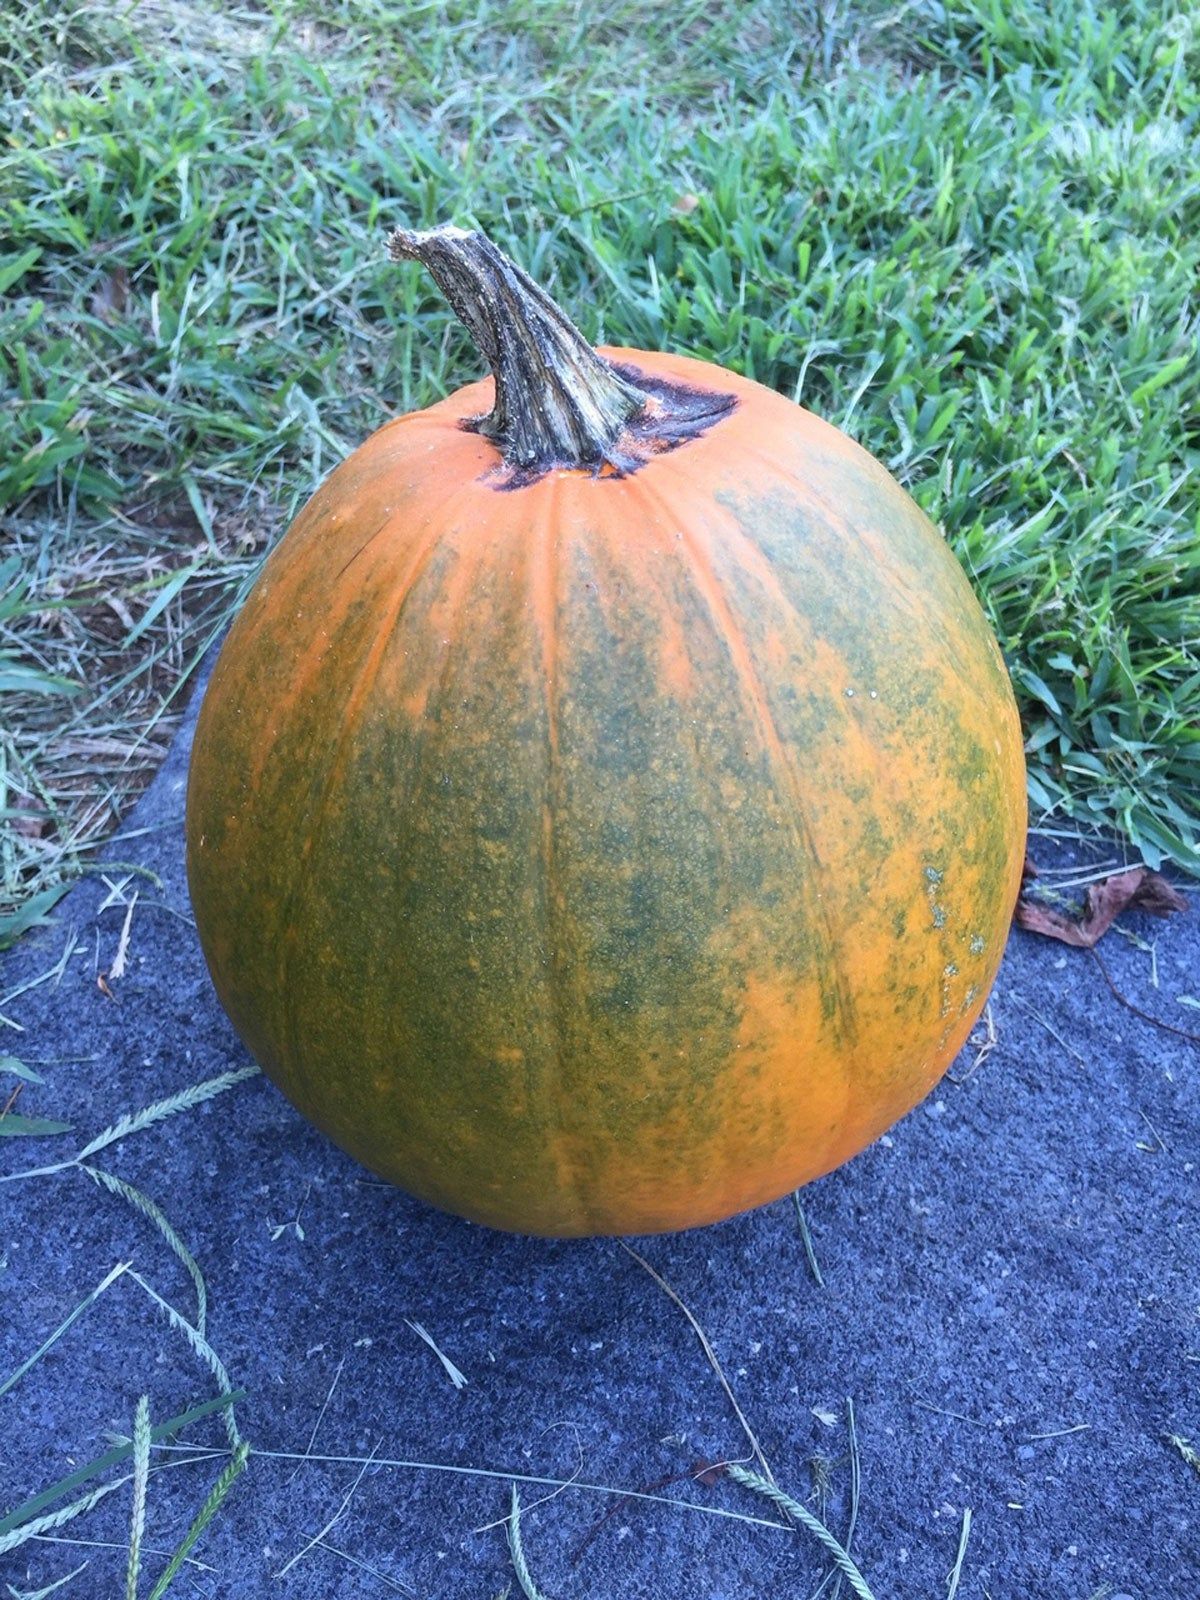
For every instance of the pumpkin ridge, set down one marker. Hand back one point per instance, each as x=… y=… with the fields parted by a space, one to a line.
x=763 y=567
x=874 y=547
x=780 y=764
x=315 y=820
x=284 y=701
x=871 y=546
x=545 y=564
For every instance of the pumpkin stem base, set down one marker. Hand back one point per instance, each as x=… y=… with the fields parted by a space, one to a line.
x=559 y=403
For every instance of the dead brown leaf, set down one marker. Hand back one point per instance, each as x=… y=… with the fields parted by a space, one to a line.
x=112 y=295
x=1139 y=889
x=31 y=821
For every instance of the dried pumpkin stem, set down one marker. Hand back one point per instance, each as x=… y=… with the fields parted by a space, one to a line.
x=558 y=403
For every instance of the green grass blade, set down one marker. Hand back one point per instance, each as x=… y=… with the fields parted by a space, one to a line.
x=15 y=1126
x=141 y=1479
x=1165 y=374
x=143 y=1203
x=845 y=1562
x=37 y=1503
x=20 y=1070
x=203 y=1517
x=34 y=910
x=68 y=1321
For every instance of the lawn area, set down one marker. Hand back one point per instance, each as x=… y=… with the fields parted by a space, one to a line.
x=968 y=234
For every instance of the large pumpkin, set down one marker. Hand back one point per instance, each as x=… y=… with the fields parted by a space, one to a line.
x=607 y=810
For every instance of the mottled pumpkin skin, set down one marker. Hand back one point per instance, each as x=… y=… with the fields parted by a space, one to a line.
x=608 y=854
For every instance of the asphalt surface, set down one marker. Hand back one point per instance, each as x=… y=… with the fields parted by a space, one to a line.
x=1011 y=1301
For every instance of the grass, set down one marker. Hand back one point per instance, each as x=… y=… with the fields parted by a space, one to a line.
x=967 y=234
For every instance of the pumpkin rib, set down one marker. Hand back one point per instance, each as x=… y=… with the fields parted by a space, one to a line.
x=285 y=699
x=412 y=416
x=545 y=566
x=316 y=819
x=876 y=549
x=872 y=547
x=764 y=569
x=780 y=764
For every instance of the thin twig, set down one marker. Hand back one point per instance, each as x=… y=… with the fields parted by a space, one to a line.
x=1157 y=1022
x=835 y=1577
x=508 y=1477
x=983 y=1047
x=357 y=1561
x=810 y=1254
x=543 y=1499
x=697 y=1474
x=1054 y=1034
x=332 y=1523
x=1060 y=1433
x=956 y=1571
x=312 y=1438
x=958 y=1416
x=710 y=1353
x=855 y=1474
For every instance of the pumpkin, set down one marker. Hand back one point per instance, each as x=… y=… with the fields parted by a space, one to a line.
x=607 y=810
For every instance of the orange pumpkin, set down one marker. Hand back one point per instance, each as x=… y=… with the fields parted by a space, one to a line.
x=607 y=810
